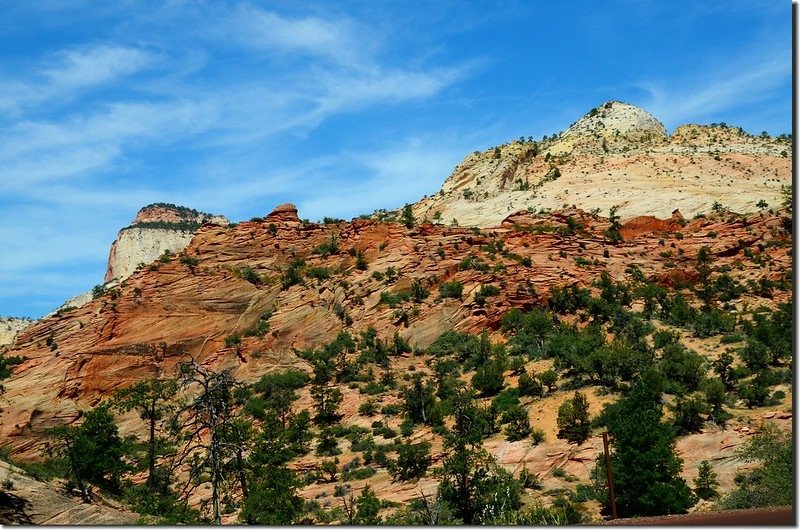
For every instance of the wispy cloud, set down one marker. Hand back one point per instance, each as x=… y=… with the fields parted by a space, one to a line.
x=722 y=86
x=335 y=40
x=82 y=121
x=79 y=68
x=79 y=146
x=71 y=70
x=390 y=178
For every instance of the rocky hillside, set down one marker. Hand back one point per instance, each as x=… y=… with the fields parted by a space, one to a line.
x=157 y=228
x=302 y=284
x=701 y=255
x=616 y=155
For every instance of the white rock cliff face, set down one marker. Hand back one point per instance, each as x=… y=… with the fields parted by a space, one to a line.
x=142 y=245
x=156 y=228
x=10 y=328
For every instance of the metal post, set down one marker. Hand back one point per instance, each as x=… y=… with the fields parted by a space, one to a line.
x=610 y=478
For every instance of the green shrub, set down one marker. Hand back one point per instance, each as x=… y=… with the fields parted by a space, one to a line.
x=419 y=292
x=771 y=483
x=519 y=426
x=391 y=410
x=485 y=292
x=451 y=289
x=250 y=275
x=488 y=378
x=318 y=273
x=368 y=408
x=529 y=386
x=537 y=436
x=393 y=299
x=412 y=461
x=293 y=275
x=329 y=247
x=505 y=400
x=190 y=261
x=258 y=330
x=233 y=340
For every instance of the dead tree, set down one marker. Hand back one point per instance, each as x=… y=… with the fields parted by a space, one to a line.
x=209 y=429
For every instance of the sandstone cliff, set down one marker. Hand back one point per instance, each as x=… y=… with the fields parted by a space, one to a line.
x=230 y=280
x=616 y=155
x=156 y=228
x=158 y=315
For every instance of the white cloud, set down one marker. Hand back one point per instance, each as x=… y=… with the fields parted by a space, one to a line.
x=39 y=151
x=748 y=81
x=95 y=66
x=311 y=36
x=392 y=178
x=71 y=149
x=69 y=71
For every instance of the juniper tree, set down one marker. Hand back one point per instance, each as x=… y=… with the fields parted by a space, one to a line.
x=93 y=451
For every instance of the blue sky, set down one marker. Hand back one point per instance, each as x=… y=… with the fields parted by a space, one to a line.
x=339 y=107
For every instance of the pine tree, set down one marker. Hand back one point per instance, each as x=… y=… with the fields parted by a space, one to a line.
x=152 y=399
x=408 y=216
x=573 y=419
x=705 y=484
x=612 y=233
x=645 y=467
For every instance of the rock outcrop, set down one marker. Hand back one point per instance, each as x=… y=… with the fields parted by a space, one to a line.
x=616 y=155
x=32 y=502
x=158 y=315
x=284 y=213
x=157 y=228
x=613 y=126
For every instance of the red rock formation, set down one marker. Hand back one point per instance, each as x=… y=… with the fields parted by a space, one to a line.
x=157 y=316
x=286 y=212
x=160 y=314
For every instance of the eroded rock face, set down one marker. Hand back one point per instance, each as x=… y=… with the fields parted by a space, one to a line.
x=156 y=228
x=616 y=155
x=612 y=126
x=154 y=318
